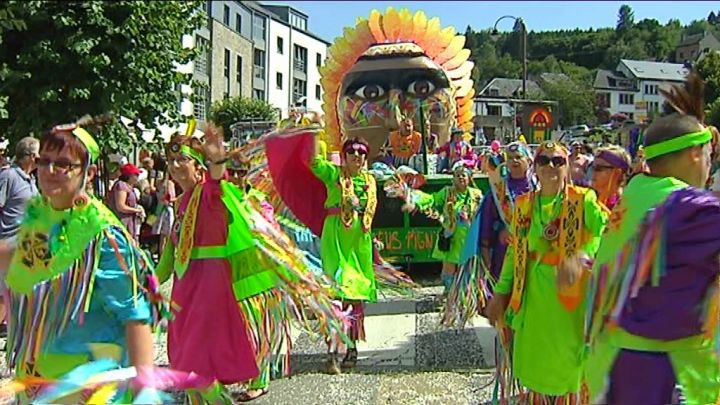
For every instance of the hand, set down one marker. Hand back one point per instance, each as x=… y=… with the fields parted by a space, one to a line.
x=570 y=271
x=505 y=237
x=213 y=148
x=408 y=207
x=496 y=308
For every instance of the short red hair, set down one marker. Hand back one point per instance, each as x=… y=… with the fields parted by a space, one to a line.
x=59 y=140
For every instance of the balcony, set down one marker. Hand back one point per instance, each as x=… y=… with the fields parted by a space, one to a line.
x=300 y=65
x=259 y=72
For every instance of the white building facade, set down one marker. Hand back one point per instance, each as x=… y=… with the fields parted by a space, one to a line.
x=633 y=88
x=295 y=57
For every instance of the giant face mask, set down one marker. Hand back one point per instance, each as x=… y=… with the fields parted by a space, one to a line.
x=389 y=66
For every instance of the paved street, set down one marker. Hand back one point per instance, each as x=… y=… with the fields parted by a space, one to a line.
x=407 y=359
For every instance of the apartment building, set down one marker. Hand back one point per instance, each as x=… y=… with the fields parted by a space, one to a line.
x=259 y=51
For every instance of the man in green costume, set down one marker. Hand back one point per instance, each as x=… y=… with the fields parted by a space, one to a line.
x=652 y=322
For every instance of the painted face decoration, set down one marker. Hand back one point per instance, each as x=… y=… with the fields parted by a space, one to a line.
x=385 y=68
x=391 y=82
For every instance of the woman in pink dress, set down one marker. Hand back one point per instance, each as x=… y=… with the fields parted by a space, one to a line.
x=208 y=335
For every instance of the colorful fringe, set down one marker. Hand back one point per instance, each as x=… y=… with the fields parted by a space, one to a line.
x=507 y=387
x=467 y=296
x=534 y=398
x=269 y=329
x=356 y=310
x=104 y=382
x=46 y=313
x=307 y=291
x=641 y=261
x=390 y=278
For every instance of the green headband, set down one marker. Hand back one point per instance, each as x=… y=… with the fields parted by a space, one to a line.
x=679 y=143
x=193 y=154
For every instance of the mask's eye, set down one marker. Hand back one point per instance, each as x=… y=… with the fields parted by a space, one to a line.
x=421 y=88
x=370 y=91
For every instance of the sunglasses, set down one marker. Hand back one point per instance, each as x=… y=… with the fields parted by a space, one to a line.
x=557 y=161
x=239 y=172
x=602 y=168
x=60 y=166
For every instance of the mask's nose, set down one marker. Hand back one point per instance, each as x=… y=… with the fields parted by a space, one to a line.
x=395 y=116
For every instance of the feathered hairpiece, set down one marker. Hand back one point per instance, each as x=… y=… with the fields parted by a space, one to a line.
x=687 y=99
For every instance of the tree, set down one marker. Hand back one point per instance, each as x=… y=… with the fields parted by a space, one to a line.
x=94 y=57
x=576 y=100
x=232 y=110
x=709 y=70
x=626 y=18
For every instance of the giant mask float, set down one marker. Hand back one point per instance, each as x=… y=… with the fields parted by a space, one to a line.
x=383 y=69
x=388 y=67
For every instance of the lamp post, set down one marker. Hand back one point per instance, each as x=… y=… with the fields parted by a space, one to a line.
x=523 y=45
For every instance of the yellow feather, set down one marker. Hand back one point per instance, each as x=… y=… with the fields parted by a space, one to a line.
x=468 y=116
x=457 y=60
x=467 y=97
x=430 y=35
x=462 y=88
x=406 y=25
x=419 y=23
x=456 y=44
x=468 y=126
x=465 y=70
x=103 y=395
x=462 y=109
x=376 y=26
x=391 y=24
x=441 y=41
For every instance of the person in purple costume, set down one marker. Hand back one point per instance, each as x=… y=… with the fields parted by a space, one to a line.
x=653 y=313
x=516 y=180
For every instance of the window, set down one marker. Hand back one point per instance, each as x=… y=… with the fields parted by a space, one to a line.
x=627 y=98
x=651 y=89
x=259 y=27
x=278 y=80
x=317 y=92
x=300 y=59
x=494 y=110
x=299 y=90
x=258 y=94
x=603 y=100
x=201 y=62
x=259 y=62
x=318 y=60
x=494 y=92
x=238 y=73
x=653 y=106
x=226 y=15
x=280 y=45
x=238 y=23
x=226 y=73
x=200 y=103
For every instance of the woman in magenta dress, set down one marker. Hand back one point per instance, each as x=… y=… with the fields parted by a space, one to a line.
x=209 y=334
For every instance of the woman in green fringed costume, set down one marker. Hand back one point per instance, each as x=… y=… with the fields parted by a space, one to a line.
x=346 y=243
x=80 y=287
x=457 y=204
x=554 y=232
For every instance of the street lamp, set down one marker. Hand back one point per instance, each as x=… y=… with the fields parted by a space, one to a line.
x=523 y=44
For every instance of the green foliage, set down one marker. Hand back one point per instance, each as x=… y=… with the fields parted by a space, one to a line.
x=67 y=59
x=709 y=70
x=575 y=97
x=626 y=19
x=232 y=110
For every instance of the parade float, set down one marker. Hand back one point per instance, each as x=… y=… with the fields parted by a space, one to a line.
x=392 y=67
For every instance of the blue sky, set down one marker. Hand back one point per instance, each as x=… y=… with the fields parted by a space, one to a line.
x=327 y=18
